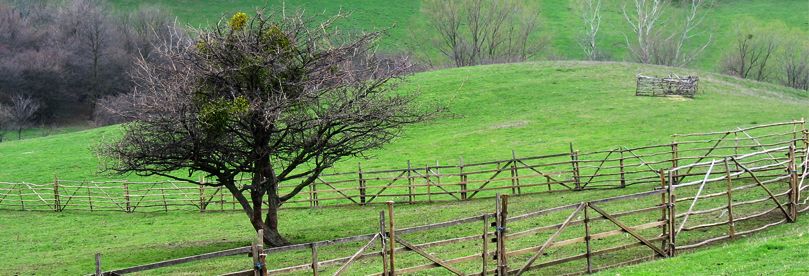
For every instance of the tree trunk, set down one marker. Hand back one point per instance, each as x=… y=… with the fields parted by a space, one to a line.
x=270 y=225
x=271 y=235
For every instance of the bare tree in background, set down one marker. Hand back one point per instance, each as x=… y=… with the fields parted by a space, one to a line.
x=69 y=54
x=478 y=32
x=591 y=16
x=750 y=58
x=5 y=120
x=276 y=98
x=795 y=63
x=658 y=40
x=22 y=110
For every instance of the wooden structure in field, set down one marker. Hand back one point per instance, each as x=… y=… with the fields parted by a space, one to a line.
x=672 y=85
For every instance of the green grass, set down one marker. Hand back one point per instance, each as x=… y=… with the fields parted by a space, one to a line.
x=533 y=108
x=781 y=251
x=560 y=22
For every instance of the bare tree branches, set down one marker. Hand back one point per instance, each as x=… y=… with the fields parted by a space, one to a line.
x=21 y=112
x=591 y=17
x=275 y=97
x=751 y=56
x=479 y=32
x=795 y=66
x=662 y=42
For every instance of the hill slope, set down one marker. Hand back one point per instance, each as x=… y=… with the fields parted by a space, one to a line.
x=532 y=108
x=560 y=22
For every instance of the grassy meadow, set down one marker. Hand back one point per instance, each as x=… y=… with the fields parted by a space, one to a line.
x=533 y=108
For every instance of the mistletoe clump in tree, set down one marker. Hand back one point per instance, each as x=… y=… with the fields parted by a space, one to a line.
x=273 y=97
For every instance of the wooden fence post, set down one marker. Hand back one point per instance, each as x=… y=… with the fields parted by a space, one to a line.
x=463 y=179
x=89 y=195
x=664 y=212
x=672 y=214
x=485 y=245
x=315 y=263
x=515 y=176
x=621 y=168
x=98 y=265
x=731 y=224
x=574 y=156
x=127 y=201
x=202 y=195
x=383 y=250
x=410 y=196
x=587 y=237
x=502 y=215
x=361 y=183
x=675 y=157
x=391 y=239
x=427 y=181
x=57 y=204
x=793 y=185
x=259 y=257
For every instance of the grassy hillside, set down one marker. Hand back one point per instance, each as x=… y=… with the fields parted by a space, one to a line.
x=560 y=22
x=533 y=108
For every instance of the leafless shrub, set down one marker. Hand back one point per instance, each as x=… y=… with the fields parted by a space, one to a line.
x=5 y=120
x=751 y=56
x=795 y=66
x=479 y=32
x=22 y=110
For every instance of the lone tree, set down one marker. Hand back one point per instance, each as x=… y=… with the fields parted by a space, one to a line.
x=272 y=97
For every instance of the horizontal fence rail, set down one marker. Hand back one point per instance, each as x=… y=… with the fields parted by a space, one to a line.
x=691 y=205
x=569 y=171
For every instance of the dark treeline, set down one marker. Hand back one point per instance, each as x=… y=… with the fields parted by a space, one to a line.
x=68 y=55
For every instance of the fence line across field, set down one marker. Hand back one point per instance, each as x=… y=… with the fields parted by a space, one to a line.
x=569 y=171
x=574 y=238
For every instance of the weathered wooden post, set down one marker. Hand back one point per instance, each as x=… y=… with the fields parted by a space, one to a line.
x=427 y=181
x=202 y=195
x=672 y=214
x=731 y=224
x=315 y=262
x=587 y=237
x=98 y=265
x=410 y=196
x=57 y=205
x=675 y=157
x=485 y=244
x=664 y=212
x=259 y=257
x=515 y=174
x=793 y=185
x=361 y=183
x=463 y=179
x=127 y=201
x=621 y=168
x=382 y=244
x=574 y=162
x=391 y=239
x=502 y=215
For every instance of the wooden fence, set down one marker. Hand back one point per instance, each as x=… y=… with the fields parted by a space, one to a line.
x=568 y=171
x=722 y=198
